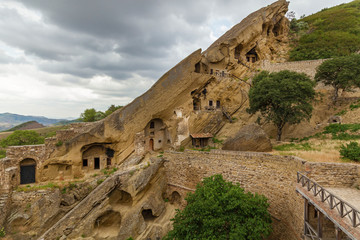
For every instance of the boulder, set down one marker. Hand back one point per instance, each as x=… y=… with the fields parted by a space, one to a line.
x=250 y=138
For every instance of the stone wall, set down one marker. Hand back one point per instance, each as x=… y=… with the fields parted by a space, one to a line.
x=9 y=166
x=308 y=67
x=273 y=176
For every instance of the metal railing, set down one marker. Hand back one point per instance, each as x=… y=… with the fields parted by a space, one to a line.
x=343 y=208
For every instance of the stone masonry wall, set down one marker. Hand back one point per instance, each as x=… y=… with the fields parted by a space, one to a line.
x=272 y=176
x=308 y=67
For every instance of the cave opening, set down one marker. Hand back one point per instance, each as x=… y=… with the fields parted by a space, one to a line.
x=251 y=56
x=148 y=215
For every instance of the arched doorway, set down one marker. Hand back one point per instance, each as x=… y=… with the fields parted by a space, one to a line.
x=27 y=171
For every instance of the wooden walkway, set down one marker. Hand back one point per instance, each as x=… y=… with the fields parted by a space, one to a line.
x=339 y=205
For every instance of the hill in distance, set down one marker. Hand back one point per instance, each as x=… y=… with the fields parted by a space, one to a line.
x=10 y=120
x=27 y=126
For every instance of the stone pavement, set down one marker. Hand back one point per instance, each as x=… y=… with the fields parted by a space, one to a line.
x=349 y=195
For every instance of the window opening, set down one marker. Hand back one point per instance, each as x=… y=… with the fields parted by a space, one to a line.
x=85 y=162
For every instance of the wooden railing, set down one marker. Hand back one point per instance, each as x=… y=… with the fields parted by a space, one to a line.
x=343 y=208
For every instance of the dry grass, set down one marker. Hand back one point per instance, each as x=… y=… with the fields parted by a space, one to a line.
x=323 y=150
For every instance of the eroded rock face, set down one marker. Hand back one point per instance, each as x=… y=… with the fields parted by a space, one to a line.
x=183 y=99
x=250 y=138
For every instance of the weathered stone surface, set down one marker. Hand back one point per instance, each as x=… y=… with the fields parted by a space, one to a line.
x=249 y=138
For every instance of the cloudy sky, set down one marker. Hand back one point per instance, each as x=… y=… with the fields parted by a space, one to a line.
x=60 y=57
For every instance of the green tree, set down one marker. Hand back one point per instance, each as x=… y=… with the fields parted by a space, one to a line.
x=111 y=109
x=22 y=137
x=341 y=73
x=91 y=115
x=221 y=210
x=282 y=97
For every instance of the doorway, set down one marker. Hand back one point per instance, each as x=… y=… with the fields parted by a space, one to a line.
x=96 y=163
x=27 y=171
x=151 y=144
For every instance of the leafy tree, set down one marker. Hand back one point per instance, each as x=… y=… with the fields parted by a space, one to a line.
x=22 y=137
x=341 y=73
x=111 y=109
x=222 y=210
x=282 y=97
x=91 y=115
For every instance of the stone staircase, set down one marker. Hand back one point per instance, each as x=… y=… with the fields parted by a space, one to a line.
x=4 y=198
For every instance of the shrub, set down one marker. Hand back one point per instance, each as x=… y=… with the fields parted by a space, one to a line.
x=59 y=143
x=351 y=151
x=2 y=232
x=18 y=138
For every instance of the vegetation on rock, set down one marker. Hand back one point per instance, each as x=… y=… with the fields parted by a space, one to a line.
x=222 y=210
x=282 y=97
x=22 y=137
x=341 y=73
x=332 y=32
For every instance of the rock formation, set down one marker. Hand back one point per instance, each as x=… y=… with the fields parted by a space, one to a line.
x=249 y=138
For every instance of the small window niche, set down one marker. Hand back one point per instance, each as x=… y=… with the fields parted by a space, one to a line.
x=210 y=103
x=84 y=162
x=218 y=104
x=152 y=124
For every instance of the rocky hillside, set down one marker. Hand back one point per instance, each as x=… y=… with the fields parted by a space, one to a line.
x=331 y=32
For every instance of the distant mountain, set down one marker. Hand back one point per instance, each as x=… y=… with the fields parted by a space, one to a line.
x=27 y=126
x=10 y=120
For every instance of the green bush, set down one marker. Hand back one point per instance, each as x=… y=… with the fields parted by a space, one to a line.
x=351 y=151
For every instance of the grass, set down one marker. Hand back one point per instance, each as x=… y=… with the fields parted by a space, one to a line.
x=29 y=188
x=322 y=150
x=343 y=131
x=2 y=153
x=293 y=146
x=205 y=149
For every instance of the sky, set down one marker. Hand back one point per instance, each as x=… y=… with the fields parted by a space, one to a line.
x=60 y=57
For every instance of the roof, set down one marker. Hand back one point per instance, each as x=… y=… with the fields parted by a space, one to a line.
x=201 y=135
